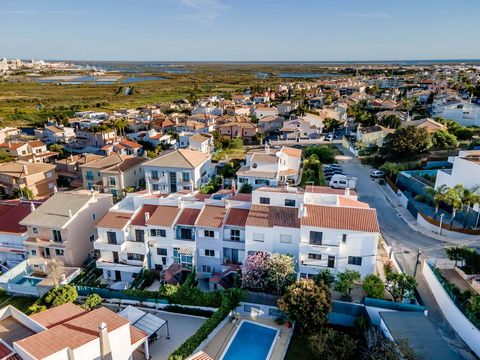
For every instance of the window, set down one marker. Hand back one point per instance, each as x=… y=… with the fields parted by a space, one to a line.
x=286 y=238
x=355 y=260
x=314 y=256
x=139 y=235
x=57 y=235
x=258 y=237
x=59 y=252
x=138 y=257
x=154 y=174
x=94 y=216
x=112 y=181
x=316 y=237
x=34 y=252
x=264 y=200
x=344 y=238
x=209 y=233
x=35 y=230
x=155 y=187
x=186 y=234
x=206 y=268
x=158 y=232
x=185 y=176
x=91 y=238
x=161 y=252
x=331 y=261
x=112 y=237
x=89 y=175
x=234 y=234
x=209 y=252
x=290 y=202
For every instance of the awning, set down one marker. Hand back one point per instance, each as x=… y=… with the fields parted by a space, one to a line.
x=185 y=250
x=142 y=320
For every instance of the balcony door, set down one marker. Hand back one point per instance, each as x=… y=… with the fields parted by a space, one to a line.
x=173 y=182
x=115 y=257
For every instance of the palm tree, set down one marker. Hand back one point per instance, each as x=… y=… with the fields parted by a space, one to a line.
x=470 y=198
x=454 y=198
x=439 y=196
x=54 y=271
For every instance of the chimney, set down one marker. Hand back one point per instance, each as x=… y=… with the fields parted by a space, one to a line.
x=347 y=192
x=105 y=350
x=302 y=211
x=70 y=213
x=147 y=217
x=32 y=207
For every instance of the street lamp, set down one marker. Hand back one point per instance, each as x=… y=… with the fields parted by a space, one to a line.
x=441 y=222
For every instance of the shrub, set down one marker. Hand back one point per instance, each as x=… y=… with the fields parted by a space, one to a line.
x=189 y=311
x=325 y=276
x=374 y=286
x=330 y=344
x=230 y=299
x=92 y=301
x=61 y=295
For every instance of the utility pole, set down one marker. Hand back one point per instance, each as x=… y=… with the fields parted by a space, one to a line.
x=416 y=264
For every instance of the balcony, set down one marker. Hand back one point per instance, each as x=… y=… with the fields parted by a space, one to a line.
x=120 y=266
x=104 y=245
x=136 y=247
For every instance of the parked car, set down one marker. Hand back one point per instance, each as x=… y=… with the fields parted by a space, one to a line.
x=342 y=182
x=377 y=174
x=332 y=166
x=329 y=137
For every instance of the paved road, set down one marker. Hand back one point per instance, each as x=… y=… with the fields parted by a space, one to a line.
x=402 y=238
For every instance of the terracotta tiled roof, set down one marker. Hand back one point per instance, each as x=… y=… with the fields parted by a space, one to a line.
x=130 y=144
x=4 y=351
x=237 y=217
x=71 y=334
x=11 y=213
x=348 y=202
x=326 y=190
x=343 y=218
x=292 y=151
x=182 y=158
x=241 y=197
x=136 y=334
x=114 y=220
x=164 y=216
x=200 y=356
x=211 y=216
x=270 y=216
x=35 y=143
x=139 y=219
x=12 y=145
x=58 y=315
x=188 y=216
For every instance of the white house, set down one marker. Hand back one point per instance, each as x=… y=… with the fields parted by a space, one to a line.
x=463 y=112
x=181 y=169
x=465 y=171
x=264 y=110
x=196 y=141
x=270 y=167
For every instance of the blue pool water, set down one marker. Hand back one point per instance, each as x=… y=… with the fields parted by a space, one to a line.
x=252 y=342
x=28 y=281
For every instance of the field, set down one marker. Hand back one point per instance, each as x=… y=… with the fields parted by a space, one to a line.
x=25 y=102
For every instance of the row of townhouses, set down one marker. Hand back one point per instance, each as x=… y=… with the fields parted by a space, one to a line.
x=321 y=227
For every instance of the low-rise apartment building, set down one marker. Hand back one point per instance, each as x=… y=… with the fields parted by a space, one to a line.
x=62 y=227
x=40 y=178
x=31 y=151
x=465 y=171
x=321 y=227
x=177 y=170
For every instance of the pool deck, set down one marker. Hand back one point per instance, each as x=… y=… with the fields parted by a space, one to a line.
x=220 y=341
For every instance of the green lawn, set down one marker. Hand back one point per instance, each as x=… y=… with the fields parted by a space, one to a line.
x=20 y=302
x=298 y=348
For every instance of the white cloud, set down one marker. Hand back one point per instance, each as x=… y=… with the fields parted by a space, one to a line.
x=366 y=15
x=203 y=10
x=41 y=12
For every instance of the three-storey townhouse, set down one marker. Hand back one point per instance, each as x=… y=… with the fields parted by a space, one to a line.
x=62 y=228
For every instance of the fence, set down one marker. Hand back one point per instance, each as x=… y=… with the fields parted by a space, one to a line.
x=454 y=312
x=117 y=294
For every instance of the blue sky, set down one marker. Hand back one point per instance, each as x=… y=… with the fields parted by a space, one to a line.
x=240 y=30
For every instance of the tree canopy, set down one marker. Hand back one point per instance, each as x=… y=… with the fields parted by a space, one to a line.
x=407 y=142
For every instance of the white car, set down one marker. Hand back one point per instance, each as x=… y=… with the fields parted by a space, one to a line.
x=377 y=174
x=329 y=137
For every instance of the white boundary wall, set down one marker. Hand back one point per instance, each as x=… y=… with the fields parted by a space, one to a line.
x=462 y=326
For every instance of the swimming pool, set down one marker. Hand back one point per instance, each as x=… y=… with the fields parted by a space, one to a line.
x=29 y=281
x=251 y=341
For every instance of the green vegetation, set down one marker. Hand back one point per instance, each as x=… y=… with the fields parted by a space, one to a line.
x=373 y=286
x=92 y=301
x=400 y=285
x=346 y=280
x=229 y=300
x=406 y=142
x=22 y=303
